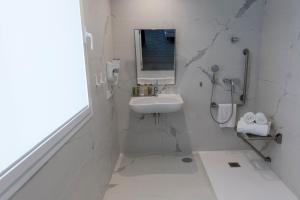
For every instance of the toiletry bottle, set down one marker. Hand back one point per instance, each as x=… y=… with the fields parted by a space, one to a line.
x=133 y=91
x=137 y=91
x=145 y=90
x=141 y=90
x=150 y=90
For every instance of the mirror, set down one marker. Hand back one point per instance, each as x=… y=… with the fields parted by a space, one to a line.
x=155 y=56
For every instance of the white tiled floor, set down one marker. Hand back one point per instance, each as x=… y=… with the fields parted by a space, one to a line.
x=254 y=180
x=207 y=178
x=159 y=178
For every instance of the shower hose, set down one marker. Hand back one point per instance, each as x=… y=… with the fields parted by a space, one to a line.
x=211 y=101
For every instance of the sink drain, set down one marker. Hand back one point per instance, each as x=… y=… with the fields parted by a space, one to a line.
x=187 y=160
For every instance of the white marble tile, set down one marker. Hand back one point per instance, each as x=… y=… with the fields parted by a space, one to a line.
x=254 y=179
x=159 y=178
x=278 y=88
x=204 y=29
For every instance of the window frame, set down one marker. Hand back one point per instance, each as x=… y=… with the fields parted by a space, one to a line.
x=15 y=176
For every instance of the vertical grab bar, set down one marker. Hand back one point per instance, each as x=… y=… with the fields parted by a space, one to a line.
x=243 y=97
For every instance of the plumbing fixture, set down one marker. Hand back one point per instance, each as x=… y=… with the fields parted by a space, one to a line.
x=228 y=81
x=215 y=69
x=234 y=39
x=235 y=81
x=156 y=117
x=231 y=82
x=212 y=104
x=187 y=160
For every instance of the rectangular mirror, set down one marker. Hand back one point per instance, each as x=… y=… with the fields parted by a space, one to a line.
x=155 y=56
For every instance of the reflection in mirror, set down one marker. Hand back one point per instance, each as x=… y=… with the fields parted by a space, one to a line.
x=158 y=47
x=155 y=56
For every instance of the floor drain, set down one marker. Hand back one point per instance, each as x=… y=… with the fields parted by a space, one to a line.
x=187 y=160
x=234 y=164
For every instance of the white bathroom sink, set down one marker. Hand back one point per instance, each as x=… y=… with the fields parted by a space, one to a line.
x=163 y=103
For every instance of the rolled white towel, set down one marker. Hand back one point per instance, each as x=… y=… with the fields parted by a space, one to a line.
x=249 y=117
x=256 y=129
x=260 y=118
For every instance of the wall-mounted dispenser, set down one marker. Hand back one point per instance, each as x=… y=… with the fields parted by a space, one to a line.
x=112 y=71
x=109 y=78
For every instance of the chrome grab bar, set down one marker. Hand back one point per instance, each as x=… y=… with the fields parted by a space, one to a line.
x=248 y=137
x=243 y=97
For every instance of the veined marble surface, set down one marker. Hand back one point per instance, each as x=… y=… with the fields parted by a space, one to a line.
x=278 y=85
x=204 y=29
x=159 y=178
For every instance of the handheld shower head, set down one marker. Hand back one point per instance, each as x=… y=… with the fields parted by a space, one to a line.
x=215 y=68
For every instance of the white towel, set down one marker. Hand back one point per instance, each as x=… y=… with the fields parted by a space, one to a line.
x=260 y=118
x=256 y=129
x=224 y=112
x=249 y=117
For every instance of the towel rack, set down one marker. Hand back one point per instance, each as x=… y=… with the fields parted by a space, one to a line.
x=247 y=137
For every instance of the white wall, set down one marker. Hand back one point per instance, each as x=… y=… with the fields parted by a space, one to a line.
x=204 y=29
x=278 y=86
x=83 y=167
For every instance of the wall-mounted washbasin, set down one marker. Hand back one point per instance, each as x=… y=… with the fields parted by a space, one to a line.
x=163 y=103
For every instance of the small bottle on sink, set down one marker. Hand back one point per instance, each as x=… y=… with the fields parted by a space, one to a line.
x=146 y=90
x=150 y=90
x=141 y=90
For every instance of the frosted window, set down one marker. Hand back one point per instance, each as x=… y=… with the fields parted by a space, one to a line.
x=43 y=78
